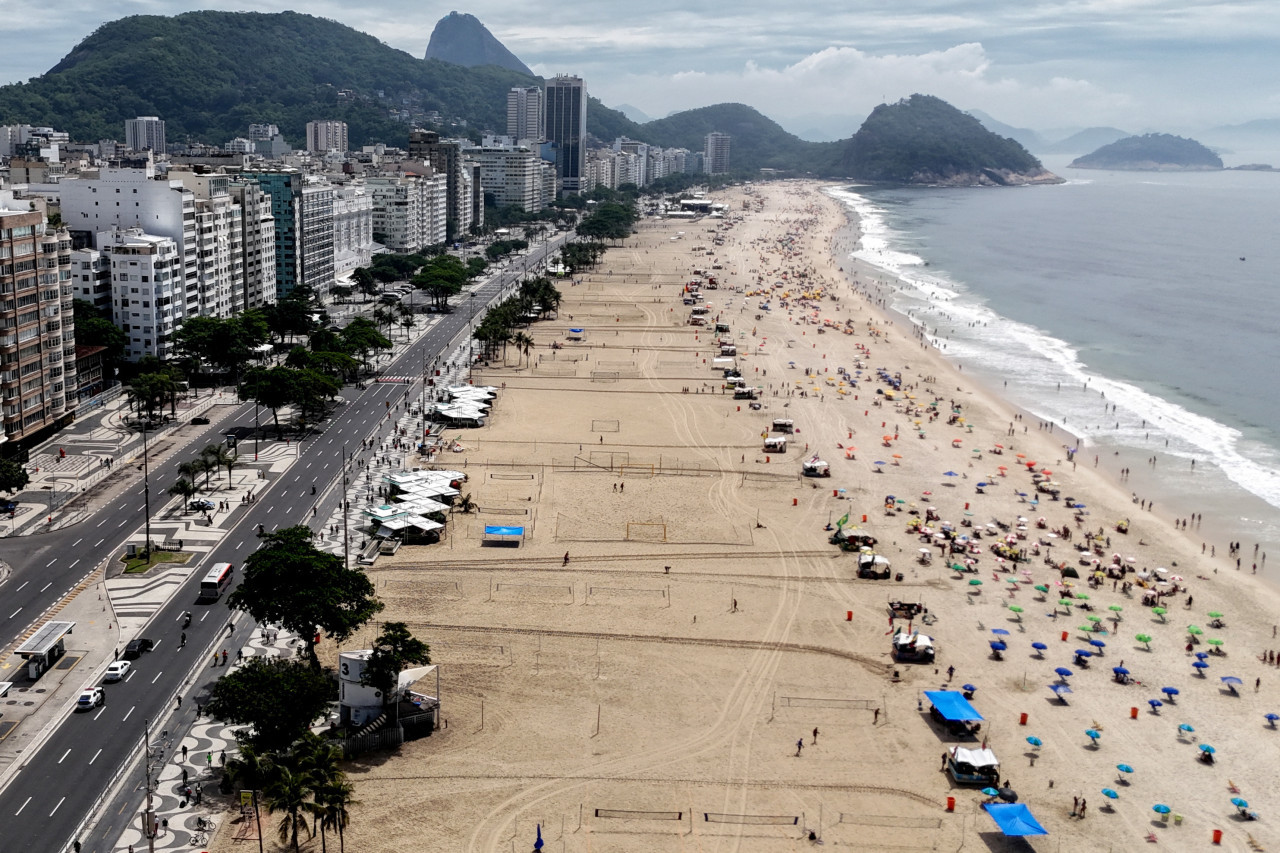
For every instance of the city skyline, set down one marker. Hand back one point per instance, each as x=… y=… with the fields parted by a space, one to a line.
x=1156 y=66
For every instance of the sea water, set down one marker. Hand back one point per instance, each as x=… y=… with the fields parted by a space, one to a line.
x=1137 y=310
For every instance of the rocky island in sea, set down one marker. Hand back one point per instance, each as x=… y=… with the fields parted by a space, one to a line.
x=1151 y=152
x=924 y=141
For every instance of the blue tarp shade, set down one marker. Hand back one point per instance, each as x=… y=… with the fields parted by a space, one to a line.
x=1014 y=819
x=495 y=530
x=952 y=706
x=576 y=331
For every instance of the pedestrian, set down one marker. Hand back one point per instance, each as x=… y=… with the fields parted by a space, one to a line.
x=208 y=759
x=951 y=671
x=815 y=734
x=944 y=762
x=566 y=559
x=224 y=657
x=1083 y=805
x=184 y=752
x=799 y=747
x=1257 y=684
x=222 y=758
x=199 y=709
x=875 y=719
x=1075 y=806
x=179 y=703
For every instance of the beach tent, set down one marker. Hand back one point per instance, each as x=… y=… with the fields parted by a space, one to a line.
x=1014 y=819
x=504 y=533
x=952 y=706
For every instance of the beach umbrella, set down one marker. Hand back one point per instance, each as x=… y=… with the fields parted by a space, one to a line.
x=1039 y=647
x=1110 y=794
x=1000 y=631
x=1156 y=705
x=969 y=688
x=1214 y=641
x=1213 y=614
x=1093 y=619
x=1065 y=602
x=1232 y=680
x=1170 y=692
x=1124 y=769
x=950 y=474
x=1063 y=672
x=1240 y=802
x=1083 y=653
x=1041 y=588
x=975 y=582
x=1080 y=596
x=997 y=646
x=1115 y=608
x=1185 y=728
x=1201 y=655
x=1098 y=644
x=1192 y=629
x=877 y=462
x=1008 y=795
x=1013 y=608
x=1093 y=734
x=1060 y=690
x=1161 y=808
x=1159 y=611
x=1200 y=665
x=1204 y=747
x=1145 y=639
x=1271 y=718
x=990 y=792
x=1035 y=741
x=1119 y=670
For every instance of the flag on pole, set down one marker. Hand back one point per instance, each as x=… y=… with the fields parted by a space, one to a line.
x=537 y=845
x=844 y=519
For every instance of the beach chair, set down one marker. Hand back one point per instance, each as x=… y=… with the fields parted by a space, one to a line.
x=1151 y=837
x=1231 y=786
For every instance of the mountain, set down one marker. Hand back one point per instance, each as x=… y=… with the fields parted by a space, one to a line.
x=757 y=141
x=463 y=40
x=634 y=113
x=924 y=140
x=1024 y=136
x=1085 y=140
x=1152 y=152
x=210 y=74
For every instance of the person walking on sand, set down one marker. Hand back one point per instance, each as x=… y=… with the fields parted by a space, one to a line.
x=951 y=671
x=799 y=747
x=1084 y=804
x=566 y=559
x=815 y=734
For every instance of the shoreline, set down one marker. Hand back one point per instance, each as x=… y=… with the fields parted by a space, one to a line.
x=675 y=616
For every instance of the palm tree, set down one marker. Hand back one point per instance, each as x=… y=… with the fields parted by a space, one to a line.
x=185 y=488
x=193 y=469
x=334 y=798
x=215 y=456
x=287 y=792
x=318 y=759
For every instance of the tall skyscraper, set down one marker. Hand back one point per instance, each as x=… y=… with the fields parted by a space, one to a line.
x=144 y=132
x=326 y=136
x=524 y=114
x=566 y=126
x=716 y=153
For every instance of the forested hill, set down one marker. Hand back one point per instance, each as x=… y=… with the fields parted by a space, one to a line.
x=1160 y=152
x=925 y=140
x=757 y=141
x=211 y=74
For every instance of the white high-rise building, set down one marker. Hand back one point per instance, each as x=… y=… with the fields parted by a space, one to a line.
x=352 y=227
x=513 y=174
x=716 y=153
x=146 y=289
x=144 y=133
x=524 y=114
x=410 y=212
x=258 y=286
x=326 y=136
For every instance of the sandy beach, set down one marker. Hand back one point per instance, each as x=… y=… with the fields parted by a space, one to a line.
x=649 y=692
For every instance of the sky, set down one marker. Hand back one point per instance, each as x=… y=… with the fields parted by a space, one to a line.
x=818 y=67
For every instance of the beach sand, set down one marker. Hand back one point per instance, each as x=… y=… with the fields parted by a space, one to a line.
x=650 y=693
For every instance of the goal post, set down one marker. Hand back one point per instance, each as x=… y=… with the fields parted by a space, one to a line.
x=636 y=469
x=646 y=531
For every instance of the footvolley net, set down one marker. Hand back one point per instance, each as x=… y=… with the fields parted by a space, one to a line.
x=627 y=814
x=752 y=819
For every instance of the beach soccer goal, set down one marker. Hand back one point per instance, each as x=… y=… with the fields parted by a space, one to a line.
x=636 y=469
x=605 y=425
x=646 y=531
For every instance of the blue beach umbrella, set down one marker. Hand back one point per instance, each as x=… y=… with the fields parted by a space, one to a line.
x=1061 y=691
x=950 y=474
x=1039 y=647
x=1000 y=631
x=1083 y=653
x=1156 y=705
x=1271 y=718
x=1110 y=794
x=1097 y=644
x=997 y=646
x=1161 y=808
x=1204 y=747
x=969 y=688
x=1200 y=665
x=1169 y=692
x=1185 y=727
x=1119 y=670
x=1240 y=802
x=1093 y=734
x=1124 y=769
x=1201 y=655
x=991 y=792
x=1231 y=679
x=1063 y=672
x=1035 y=741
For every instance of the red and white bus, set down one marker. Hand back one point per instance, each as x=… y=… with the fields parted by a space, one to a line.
x=216 y=582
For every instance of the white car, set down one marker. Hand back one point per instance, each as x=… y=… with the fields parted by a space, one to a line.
x=117 y=671
x=90 y=698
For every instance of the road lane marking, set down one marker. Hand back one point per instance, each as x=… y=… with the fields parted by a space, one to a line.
x=95 y=756
x=55 y=808
x=239 y=544
x=205 y=616
x=99 y=542
x=64 y=756
x=77 y=542
x=101 y=711
x=122 y=523
x=51 y=562
x=46 y=586
x=126 y=716
x=24 y=583
x=73 y=565
x=131 y=674
x=21 y=807
x=15 y=613
x=100 y=523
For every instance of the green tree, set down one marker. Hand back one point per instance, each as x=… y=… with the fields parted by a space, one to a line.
x=277 y=699
x=287 y=793
x=289 y=317
x=192 y=470
x=395 y=650
x=185 y=489
x=364 y=281
x=318 y=759
x=13 y=476
x=362 y=337
x=334 y=797
x=95 y=330
x=273 y=387
x=216 y=457
x=288 y=581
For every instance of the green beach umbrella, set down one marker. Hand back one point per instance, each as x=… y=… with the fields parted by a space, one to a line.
x=1214 y=641
x=1116 y=608
x=1066 y=602
x=1094 y=619
x=1015 y=608
x=1213 y=614
x=1192 y=629
x=1159 y=611
x=1088 y=629
x=975 y=582
x=1080 y=596
x=1041 y=588
x=1145 y=639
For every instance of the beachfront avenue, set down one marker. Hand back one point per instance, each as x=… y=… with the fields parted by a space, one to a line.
x=76 y=770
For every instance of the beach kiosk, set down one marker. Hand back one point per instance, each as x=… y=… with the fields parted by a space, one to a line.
x=775 y=444
x=576 y=335
x=786 y=426
x=913 y=647
x=973 y=767
x=815 y=467
x=45 y=647
x=954 y=711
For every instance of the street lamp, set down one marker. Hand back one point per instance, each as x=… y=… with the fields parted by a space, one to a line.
x=146 y=495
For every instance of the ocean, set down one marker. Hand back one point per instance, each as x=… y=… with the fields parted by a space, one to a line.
x=1135 y=309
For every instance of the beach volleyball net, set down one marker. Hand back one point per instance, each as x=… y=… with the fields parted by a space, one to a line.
x=637 y=469
x=646 y=531
x=752 y=819
x=628 y=814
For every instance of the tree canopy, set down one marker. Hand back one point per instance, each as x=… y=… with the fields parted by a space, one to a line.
x=290 y=582
x=279 y=699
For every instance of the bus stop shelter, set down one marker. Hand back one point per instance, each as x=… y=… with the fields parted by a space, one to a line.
x=43 y=648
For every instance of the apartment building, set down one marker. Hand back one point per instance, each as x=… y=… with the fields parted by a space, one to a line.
x=147 y=289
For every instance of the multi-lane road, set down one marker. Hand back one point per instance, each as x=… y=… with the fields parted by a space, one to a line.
x=56 y=789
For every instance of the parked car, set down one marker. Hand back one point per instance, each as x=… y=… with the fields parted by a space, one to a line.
x=200 y=505
x=117 y=671
x=137 y=647
x=8 y=506
x=200 y=420
x=90 y=698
